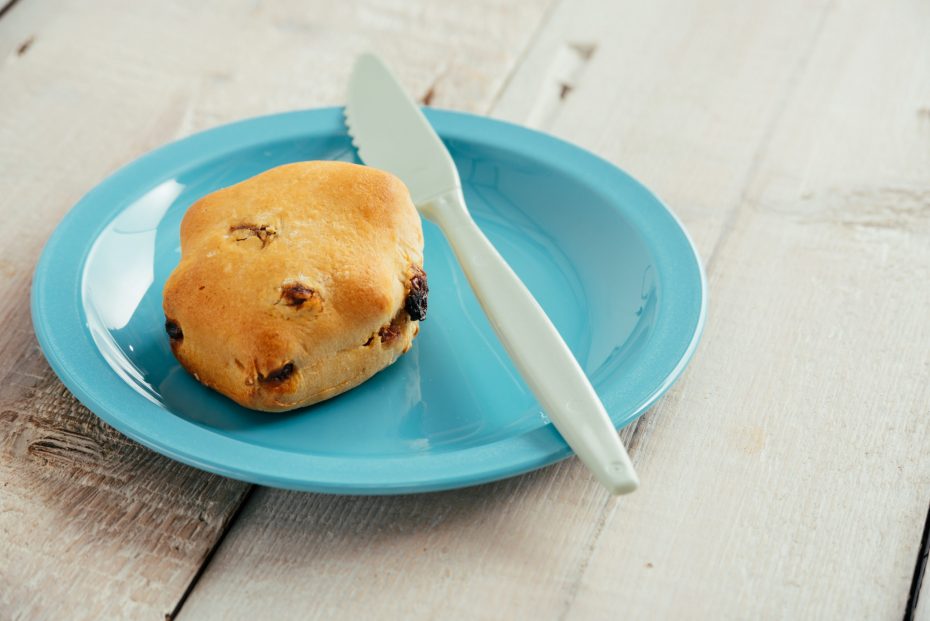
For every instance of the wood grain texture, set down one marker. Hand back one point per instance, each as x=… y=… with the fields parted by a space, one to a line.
x=92 y=525
x=786 y=476
x=797 y=467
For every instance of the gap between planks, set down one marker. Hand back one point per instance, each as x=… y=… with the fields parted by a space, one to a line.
x=920 y=568
x=227 y=526
x=524 y=53
x=5 y=7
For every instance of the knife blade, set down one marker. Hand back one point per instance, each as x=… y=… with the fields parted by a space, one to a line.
x=391 y=133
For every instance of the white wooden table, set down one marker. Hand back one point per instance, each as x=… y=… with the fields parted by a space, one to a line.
x=786 y=476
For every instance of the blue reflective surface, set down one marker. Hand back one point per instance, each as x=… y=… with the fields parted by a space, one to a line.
x=605 y=259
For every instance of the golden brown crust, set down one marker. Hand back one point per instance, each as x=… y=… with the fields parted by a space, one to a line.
x=291 y=282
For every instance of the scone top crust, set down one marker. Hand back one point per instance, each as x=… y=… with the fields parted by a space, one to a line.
x=296 y=284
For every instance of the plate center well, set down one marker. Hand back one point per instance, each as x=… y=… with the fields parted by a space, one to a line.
x=456 y=388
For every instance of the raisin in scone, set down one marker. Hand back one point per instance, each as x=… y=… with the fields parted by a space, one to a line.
x=297 y=284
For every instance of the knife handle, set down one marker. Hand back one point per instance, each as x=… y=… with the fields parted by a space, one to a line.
x=535 y=346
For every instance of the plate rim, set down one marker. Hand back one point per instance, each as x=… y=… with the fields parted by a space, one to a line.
x=245 y=461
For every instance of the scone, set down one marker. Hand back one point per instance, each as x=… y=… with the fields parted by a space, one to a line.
x=297 y=284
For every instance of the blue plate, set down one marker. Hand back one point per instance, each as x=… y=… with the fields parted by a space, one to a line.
x=607 y=260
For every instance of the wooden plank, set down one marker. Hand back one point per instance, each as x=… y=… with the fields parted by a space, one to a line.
x=691 y=99
x=792 y=481
x=94 y=526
